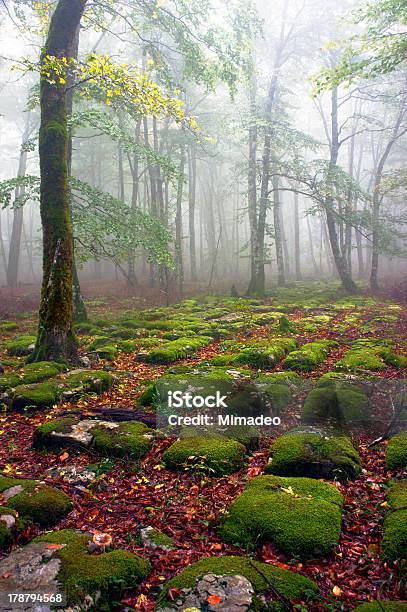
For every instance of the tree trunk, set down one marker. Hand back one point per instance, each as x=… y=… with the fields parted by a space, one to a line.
x=278 y=238
x=192 y=205
x=331 y=218
x=18 y=217
x=79 y=309
x=56 y=340
x=178 y=220
x=297 y=237
x=252 y=186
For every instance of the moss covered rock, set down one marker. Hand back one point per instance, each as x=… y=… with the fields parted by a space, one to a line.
x=309 y=356
x=88 y=381
x=172 y=351
x=264 y=355
x=131 y=439
x=371 y=354
x=216 y=455
x=316 y=453
x=261 y=575
x=21 y=345
x=34 y=500
x=36 y=396
x=337 y=402
x=31 y=373
x=60 y=561
x=301 y=516
x=396 y=451
x=394 y=543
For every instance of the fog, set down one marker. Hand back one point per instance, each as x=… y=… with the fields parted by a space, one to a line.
x=261 y=135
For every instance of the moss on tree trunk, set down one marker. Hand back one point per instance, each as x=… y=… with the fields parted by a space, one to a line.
x=56 y=340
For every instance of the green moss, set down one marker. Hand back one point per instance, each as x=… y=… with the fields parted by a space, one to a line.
x=83 y=574
x=394 y=543
x=37 y=396
x=264 y=356
x=382 y=606
x=337 y=403
x=159 y=538
x=89 y=381
x=129 y=439
x=20 y=346
x=217 y=454
x=43 y=438
x=396 y=451
x=278 y=393
x=177 y=349
x=301 y=516
x=308 y=356
x=8 y=326
x=6 y=535
x=31 y=373
x=317 y=453
x=261 y=575
x=38 y=502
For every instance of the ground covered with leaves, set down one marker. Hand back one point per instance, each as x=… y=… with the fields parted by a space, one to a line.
x=331 y=366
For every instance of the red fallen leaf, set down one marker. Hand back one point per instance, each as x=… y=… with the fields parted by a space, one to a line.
x=54 y=546
x=216 y=547
x=254 y=471
x=6 y=575
x=93 y=514
x=64 y=456
x=214 y=600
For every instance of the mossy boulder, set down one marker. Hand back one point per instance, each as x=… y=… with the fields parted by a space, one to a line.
x=301 y=516
x=8 y=523
x=36 y=396
x=174 y=350
x=34 y=500
x=216 y=455
x=396 y=451
x=31 y=373
x=394 y=542
x=8 y=326
x=88 y=381
x=60 y=561
x=371 y=354
x=315 y=452
x=127 y=439
x=154 y=538
x=262 y=576
x=309 y=356
x=21 y=345
x=339 y=403
x=266 y=355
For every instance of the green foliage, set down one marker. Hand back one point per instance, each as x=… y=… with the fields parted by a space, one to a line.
x=380 y=47
x=301 y=516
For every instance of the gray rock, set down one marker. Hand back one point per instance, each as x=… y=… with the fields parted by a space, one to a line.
x=8 y=493
x=30 y=569
x=73 y=474
x=233 y=594
x=81 y=432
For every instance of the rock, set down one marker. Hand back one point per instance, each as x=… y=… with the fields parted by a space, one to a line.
x=394 y=543
x=229 y=593
x=396 y=451
x=59 y=562
x=154 y=538
x=217 y=455
x=338 y=403
x=34 y=500
x=301 y=516
x=85 y=361
x=73 y=474
x=316 y=452
x=105 y=437
x=237 y=581
x=30 y=569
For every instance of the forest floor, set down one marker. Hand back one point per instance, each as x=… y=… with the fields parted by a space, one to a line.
x=188 y=504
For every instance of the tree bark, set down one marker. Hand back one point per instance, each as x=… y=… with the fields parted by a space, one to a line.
x=278 y=238
x=297 y=237
x=192 y=206
x=178 y=220
x=18 y=217
x=56 y=340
